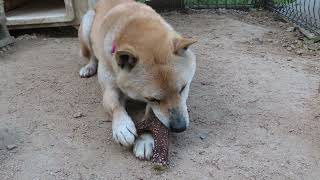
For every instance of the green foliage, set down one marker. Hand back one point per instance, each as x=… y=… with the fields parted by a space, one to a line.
x=233 y=2
x=283 y=1
x=219 y=2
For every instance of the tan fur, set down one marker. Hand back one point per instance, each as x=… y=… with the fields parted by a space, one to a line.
x=163 y=67
x=84 y=50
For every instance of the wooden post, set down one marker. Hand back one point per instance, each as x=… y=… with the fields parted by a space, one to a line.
x=5 y=37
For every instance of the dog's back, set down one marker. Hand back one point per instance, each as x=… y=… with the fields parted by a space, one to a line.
x=93 y=18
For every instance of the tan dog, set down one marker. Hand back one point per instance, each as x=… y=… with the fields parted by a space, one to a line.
x=137 y=55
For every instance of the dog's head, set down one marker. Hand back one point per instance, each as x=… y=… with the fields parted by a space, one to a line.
x=158 y=70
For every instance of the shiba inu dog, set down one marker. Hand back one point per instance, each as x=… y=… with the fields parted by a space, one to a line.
x=137 y=55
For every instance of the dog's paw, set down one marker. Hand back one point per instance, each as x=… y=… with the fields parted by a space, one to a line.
x=88 y=70
x=123 y=130
x=143 y=147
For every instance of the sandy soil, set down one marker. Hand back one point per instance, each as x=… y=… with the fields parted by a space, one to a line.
x=254 y=108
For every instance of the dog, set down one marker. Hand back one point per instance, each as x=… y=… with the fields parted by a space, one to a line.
x=137 y=55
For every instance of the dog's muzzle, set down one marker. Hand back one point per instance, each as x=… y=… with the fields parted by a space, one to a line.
x=177 y=121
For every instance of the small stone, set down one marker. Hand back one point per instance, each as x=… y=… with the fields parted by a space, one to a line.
x=281 y=24
x=298 y=41
x=270 y=40
x=313 y=47
x=257 y=41
x=27 y=37
x=78 y=115
x=288 y=162
x=203 y=136
x=289 y=48
x=299 y=52
x=291 y=29
x=291 y=130
x=253 y=9
x=270 y=32
x=289 y=59
x=11 y=147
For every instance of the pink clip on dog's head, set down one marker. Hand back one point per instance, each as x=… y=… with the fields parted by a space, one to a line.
x=113 y=50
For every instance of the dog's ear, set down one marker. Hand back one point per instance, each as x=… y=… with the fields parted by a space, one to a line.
x=181 y=43
x=126 y=59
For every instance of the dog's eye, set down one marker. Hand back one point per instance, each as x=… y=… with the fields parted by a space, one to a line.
x=151 y=99
x=183 y=87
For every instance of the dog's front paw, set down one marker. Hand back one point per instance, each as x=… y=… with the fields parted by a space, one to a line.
x=143 y=147
x=88 y=70
x=123 y=130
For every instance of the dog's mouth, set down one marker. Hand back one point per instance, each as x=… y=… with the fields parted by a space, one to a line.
x=175 y=123
x=177 y=130
x=178 y=126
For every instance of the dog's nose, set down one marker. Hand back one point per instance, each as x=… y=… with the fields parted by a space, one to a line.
x=178 y=125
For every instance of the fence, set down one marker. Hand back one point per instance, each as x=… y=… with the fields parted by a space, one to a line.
x=305 y=13
x=235 y=4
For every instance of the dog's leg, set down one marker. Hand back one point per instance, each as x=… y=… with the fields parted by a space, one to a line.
x=123 y=128
x=143 y=147
x=85 y=45
x=90 y=69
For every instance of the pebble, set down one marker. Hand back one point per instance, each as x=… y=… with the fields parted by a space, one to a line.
x=203 y=136
x=78 y=115
x=270 y=40
x=291 y=29
x=270 y=32
x=27 y=37
x=299 y=52
x=11 y=147
x=258 y=41
x=289 y=48
x=57 y=41
x=289 y=59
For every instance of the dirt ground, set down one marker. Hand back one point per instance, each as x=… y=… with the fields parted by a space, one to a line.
x=254 y=107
